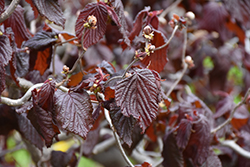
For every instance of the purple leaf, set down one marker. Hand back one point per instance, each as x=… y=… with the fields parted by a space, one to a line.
x=171 y=154
x=92 y=36
x=199 y=141
x=5 y=50
x=41 y=40
x=25 y=107
x=28 y=131
x=119 y=9
x=2 y=78
x=43 y=123
x=123 y=124
x=212 y=160
x=157 y=60
x=137 y=95
x=51 y=10
x=2 y=4
x=74 y=112
x=17 y=23
x=183 y=133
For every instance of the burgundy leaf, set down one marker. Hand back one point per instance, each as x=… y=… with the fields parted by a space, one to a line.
x=212 y=160
x=123 y=124
x=2 y=4
x=51 y=10
x=17 y=23
x=239 y=10
x=137 y=95
x=12 y=62
x=22 y=63
x=74 y=112
x=43 y=123
x=8 y=119
x=25 y=107
x=63 y=159
x=40 y=60
x=199 y=141
x=41 y=40
x=214 y=19
x=241 y=117
x=2 y=78
x=157 y=60
x=224 y=106
x=92 y=36
x=119 y=9
x=183 y=133
x=5 y=50
x=137 y=25
x=107 y=67
x=45 y=95
x=28 y=131
x=113 y=15
x=171 y=154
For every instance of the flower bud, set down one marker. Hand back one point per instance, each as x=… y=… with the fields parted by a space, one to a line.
x=189 y=61
x=92 y=20
x=147 y=30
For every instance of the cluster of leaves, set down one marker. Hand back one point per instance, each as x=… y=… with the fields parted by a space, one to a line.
x=135 y=96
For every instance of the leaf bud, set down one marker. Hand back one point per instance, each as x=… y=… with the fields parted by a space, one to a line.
x=148 y=33
x=190 y=15
x=65 y=69
x=189 y=61
x=147 y=30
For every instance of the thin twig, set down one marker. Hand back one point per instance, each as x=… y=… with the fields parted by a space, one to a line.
x=232 y=113
x=106 y=112
x=171 y=37
x=6 y=14
x=170 y=8
x=76 y=62
x=185 y=66
x=26 y=96
x=236 y=148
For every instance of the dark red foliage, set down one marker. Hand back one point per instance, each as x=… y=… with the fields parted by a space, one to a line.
x=2 y=4
x=50 y=9
x=16 y=22
x=74 y=112
x=157 y=60
x=137 y=95
x=92 y=36
x=172 y=155
x=123 y=124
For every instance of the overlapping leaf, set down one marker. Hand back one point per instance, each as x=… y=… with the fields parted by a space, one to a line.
x=17 y=23
x=28 y=131
x=74 y=112
x=119 y=9
x=183 y=133
x=63 y=159
x=198 y=145
x=123 y=124
x=5 y=50
x=172 y=155
x=92 y=36
x=2 y=4
x=212 y=160
x=41 y=40
x=41 y=113
x=137 y=95
x=2 y=79
x=158 y=59
x=51 y=10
